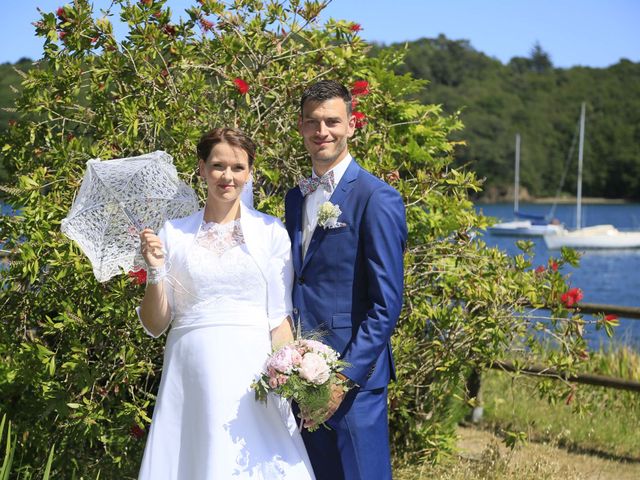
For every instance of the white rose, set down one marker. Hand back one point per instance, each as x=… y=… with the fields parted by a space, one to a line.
x=314 y=368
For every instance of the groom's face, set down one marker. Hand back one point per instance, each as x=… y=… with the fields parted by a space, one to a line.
x=325 y=127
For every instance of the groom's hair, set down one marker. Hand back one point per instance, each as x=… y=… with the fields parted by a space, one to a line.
x=326 y=90
x=233 y=136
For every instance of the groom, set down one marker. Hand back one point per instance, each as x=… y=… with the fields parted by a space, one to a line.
x=348 y=283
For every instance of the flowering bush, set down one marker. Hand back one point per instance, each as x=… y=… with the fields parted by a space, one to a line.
x=303 y=371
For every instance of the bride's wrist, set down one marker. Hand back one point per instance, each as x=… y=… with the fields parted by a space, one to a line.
x=156 y=274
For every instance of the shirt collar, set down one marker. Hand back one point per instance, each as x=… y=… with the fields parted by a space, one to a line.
x=338 y=170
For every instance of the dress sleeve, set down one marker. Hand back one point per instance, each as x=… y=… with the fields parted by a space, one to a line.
x=279 y=277
x=168 y=285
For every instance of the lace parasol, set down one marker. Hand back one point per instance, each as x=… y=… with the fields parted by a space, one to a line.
x=118 y=198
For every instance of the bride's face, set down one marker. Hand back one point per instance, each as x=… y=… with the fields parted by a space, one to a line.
x=225 y=171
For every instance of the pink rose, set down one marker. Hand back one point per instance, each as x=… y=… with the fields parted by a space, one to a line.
x=314 y=368
x=273 y=383
x=316 y=346
x=285 y=359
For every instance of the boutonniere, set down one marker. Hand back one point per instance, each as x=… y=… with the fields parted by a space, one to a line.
x=328 y=216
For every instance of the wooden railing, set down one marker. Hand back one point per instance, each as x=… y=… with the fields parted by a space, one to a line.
x=623 y=312
x=474 y=380
x=586 y=378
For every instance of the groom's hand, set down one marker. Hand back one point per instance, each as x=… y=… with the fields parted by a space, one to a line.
x=337 y=395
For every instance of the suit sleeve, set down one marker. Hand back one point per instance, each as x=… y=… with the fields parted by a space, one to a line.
x=280 y=281
x=383 y=237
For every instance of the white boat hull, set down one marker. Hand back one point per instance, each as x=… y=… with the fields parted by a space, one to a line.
x=524 y=228
x=599 y=236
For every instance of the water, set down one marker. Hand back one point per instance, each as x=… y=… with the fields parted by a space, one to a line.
x=605 y=276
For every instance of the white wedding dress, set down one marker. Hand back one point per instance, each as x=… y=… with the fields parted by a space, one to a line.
x=207 y=424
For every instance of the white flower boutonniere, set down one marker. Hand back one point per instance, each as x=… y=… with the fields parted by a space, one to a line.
x=328 y=216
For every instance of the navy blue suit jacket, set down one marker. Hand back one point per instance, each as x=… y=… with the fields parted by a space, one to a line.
x=349 y=285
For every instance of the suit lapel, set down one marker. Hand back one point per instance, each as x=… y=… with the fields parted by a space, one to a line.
x=296 y=244
x=338 y=196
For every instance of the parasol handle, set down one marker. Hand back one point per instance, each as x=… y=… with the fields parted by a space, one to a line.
x=131 y=217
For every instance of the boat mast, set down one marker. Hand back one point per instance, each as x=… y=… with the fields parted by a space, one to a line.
x=580 y=154
x=516 y=187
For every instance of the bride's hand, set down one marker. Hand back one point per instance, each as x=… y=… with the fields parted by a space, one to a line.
x=151 y=248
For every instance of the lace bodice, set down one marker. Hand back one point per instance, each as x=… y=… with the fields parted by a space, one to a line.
x=220 y=238
x=219 y=278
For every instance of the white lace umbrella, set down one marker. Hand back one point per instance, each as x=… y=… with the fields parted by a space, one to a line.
x=119 y=197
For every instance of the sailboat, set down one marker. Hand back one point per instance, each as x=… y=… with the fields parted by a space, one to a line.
x=525 y=225
x=597 y=236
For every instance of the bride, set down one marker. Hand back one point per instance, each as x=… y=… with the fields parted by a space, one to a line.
x=221 y=278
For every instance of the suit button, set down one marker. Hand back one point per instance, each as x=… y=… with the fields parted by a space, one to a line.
x=295 y=311
x=300 y=280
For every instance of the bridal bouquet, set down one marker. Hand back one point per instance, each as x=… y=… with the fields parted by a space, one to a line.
x=303 y=371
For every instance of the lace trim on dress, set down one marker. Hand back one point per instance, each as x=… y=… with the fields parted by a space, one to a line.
x=218 y=238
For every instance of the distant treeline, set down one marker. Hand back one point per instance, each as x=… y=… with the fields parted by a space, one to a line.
x=542 y=103
x=527 y=96
x=9 y=86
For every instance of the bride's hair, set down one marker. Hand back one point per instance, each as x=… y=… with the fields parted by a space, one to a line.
x=233 y=136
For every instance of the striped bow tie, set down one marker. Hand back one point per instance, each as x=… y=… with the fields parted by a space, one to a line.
x=311 y=184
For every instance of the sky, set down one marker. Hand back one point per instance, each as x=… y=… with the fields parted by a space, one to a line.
x=594 y=33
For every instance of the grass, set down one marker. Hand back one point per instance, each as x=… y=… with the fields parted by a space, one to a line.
x=493 y=464
x=610 y=428
x=484 y=457
x=566 y=440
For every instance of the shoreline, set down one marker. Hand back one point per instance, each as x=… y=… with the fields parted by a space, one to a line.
x=560 y=200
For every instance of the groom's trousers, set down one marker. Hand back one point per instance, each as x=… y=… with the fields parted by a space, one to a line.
x=356 y=446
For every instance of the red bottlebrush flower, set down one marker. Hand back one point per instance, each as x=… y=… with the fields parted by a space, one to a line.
x=139 y=277
x=553 y=265
x=611 y=319
x=241 y=85
x=540 y=269
x=62 y=15
x=61 y=35
x=206 y=25
x=360 y=87
x=361 y=119
x=354 y=103
x=355 y=27
x=148 y=3
x=571 y=297
x=136 y=431
x=12 y=123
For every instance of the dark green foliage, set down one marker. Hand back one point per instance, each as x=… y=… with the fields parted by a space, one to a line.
x=10 y=86
x=542 y=103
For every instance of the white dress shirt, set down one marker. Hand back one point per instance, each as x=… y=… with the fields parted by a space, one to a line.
x=313 y=201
